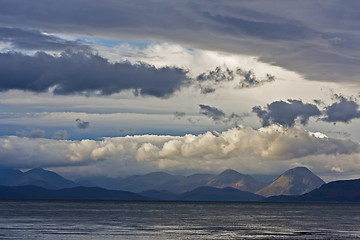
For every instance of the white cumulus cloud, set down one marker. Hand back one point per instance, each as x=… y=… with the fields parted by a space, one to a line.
x=235 y=147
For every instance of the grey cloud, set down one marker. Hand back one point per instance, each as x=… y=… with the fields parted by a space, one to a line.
x=60 y=135
x=206 y=90
x=219 y=115
x=84 y=72
x=340 y=133
x=285 y=113
x=179 y=115
x=319 y=102
x=35 y=40
x=217 y=75
x=128 y=130
x=212 y=112
x=34 y=133
x=319 y=39
x=247 y=79
x=265 y=29
x=250 y=80
x=207 y=80
x=343 y=111
x=82 y=124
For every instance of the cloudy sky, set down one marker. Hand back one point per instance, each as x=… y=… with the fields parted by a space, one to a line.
x=125 y=87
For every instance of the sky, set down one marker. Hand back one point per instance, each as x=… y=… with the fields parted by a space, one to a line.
x=115 y=88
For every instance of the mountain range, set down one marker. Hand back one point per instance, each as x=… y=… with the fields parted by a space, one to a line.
x=295 y=185
x=295 y=181
x=180 y=184
x=75 y=193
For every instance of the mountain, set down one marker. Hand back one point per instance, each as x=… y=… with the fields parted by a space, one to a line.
x=337 y=191
x=265 y=178
x=190 y=182
x=180 y=184
x=42 y=178
x=99 y=181
x=85 y=183
x=76 y=193
x=234 y=179
x=295 y=181
x=8 y=175
x=160 y=195
x=219 y=194
x=155 y=180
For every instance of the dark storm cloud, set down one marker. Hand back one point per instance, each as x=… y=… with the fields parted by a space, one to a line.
x=318 y=39
x=343 y=111
x=82 y=124
x=285 y=113
x=35 y=40
x=84 y=72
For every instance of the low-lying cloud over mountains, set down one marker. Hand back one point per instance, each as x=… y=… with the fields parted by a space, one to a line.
x=240 y=146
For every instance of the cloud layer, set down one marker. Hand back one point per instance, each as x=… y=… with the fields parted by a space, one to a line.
x=316 y=38
x=35 y=40
x=84 y=72
x=209 y=150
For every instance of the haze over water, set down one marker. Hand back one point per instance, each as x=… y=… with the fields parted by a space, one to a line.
x=177 y=220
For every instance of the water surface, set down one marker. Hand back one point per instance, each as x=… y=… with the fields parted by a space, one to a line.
x=177 y=220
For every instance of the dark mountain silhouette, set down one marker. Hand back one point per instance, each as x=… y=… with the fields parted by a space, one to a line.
x=180 y=184
x=234 y=179
x=218 y=194
x=190 y=182
x=76 y=193
x=155 y=180
x=42 y=178
x=295 y=181
x=337 y=191
x=99 y=181
x=86 y=183
x=160 y=195
x=8 y=175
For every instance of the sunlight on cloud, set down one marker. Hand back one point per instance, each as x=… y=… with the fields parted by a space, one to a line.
x=233 y=147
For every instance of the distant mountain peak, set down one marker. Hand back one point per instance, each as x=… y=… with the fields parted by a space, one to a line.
x=299 y=170
x=38 y=170
x=295 y=181
x=229 y=171
x=232 y=178
x=43 y=178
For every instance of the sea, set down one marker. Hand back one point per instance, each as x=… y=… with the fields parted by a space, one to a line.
x=177 y=220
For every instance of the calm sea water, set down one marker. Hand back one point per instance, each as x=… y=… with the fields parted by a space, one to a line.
x=177 y=220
